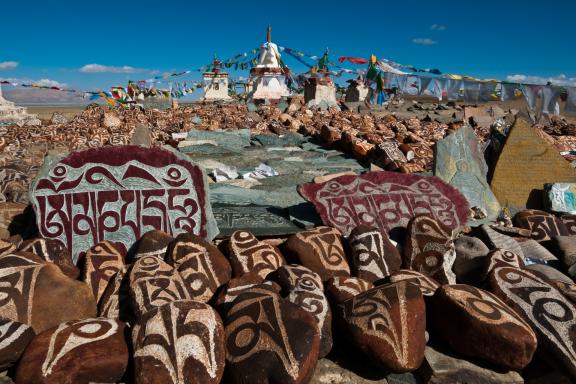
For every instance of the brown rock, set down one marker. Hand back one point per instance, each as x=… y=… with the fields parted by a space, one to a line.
x=54 y=252
x=426 y=284
x=76 y=352
x=25 y=282
x=319 y=249
x=374 y=257
x=388 y=323
x=542 y=225
x=115 y=301
x=501 y=258
x=153 y=243
x=247 y=254
x=14 y=338
x=269 y=340
x=341 y=288
x=102 y=262
x=179 y=342
x=476 y=323
x=202 y=266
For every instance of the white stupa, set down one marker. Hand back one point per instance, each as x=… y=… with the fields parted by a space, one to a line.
x=215 y=83
x=268 y=77
x=11 y=113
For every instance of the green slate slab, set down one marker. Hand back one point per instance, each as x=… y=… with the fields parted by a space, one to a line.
x=215 y=142
x=259 y=220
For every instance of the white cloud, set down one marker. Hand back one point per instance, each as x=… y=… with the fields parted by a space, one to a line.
x=8 y=65
x=424 y=41
x=437 y=27
x=528 y=79
x=98 y=68
x=50 y=83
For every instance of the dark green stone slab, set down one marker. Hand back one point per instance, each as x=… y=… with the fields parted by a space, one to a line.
x=259 y=220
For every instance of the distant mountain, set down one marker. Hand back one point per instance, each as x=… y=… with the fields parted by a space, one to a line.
x=23 y=96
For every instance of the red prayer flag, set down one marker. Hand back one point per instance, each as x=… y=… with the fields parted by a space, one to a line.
x=354 y=60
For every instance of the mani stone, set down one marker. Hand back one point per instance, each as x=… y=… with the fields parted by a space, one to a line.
x=248 y=254
x=202 y=266
x=25 y=281
x=385 y=200
x=564 y=248
x=341 y=288
x=102 y=262
x=14 y=338
x=153 y=243
x=320 y=249
x=476 y=323
x=526 y=163
x=536 y=253
x=52 y=251
x=549 y=313
x=570 y=223
x=76 y=352
x=304 y=288
x=388 y=323
x=374 y=257
x=177 y=343
x=426 y=284
x=496 y=240
x=154 y=283
x=441 y=368
x=429 y=249
x=560 y=197
x=459 y=162
x=500 y=258
x=115 y=301
x=542 y=225
x=118 y=193
x=269 y=340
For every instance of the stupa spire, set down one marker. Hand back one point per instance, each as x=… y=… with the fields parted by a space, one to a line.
x=269 y=34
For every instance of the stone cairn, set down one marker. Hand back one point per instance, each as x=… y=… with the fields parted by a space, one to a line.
x=428 y=296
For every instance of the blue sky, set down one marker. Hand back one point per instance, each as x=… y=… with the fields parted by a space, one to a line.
x=53 y=40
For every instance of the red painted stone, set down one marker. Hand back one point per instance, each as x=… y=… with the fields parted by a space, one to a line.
x=385 y=200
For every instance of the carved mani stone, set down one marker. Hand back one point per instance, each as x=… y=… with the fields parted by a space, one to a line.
x=549 y=313
x=305 y=289
x=388 y=323
x=115 y=301
x=153 y=243
x=247 y=254
x=385 y=200
x=426 y=284
x=52 y=251
x=202 y=266
x=39 y=294
x=180 y=342
x=14 y=338
x=501 y=258
x=154 y=283
x=476 y=323
x=269 y=340
x=374 y=257
x=429 y=249
x=341 y=288
x=543 y=225
x=118 y=193
x=101 y=263
x=319 y=249
x=76 y=352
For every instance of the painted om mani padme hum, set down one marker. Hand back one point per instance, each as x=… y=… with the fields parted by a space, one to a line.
x=178 y=343
x=388 y=323
x=426 y=284
x=269 y=340
x=461 y=313
x=118 y=193
x=385 y=200
x=77 y=351
x=342 y=288
x=248 y=254
x=549 y=313
x=101 y=263
x=14 y=338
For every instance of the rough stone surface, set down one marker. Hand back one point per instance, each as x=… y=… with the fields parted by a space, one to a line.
x=374 y=257
x=153 y=243
x=319 y=249
x=564 y=248
x=14 y=338
x=25 y=280
x=494 y=239
x=476 y=323
x=102 y=262
x=426 y=284
x=179 y=342
x=429 y=249
x=525 y=164
x=460 y=163
x=535 y=252
x=341 y=288
x=119 y=193
x=248 y=254
x=385 y=200
x=500 y=258
x=543 y=225
x=76 y=352
x=269 y=340
x=560 y=197
x=549 y=313
x=470 y=254
x=388 y=323
x=52 y=251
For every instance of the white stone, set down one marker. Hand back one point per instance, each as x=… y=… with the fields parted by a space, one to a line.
x=215 y=86
x=12 y=114
x=356 y=92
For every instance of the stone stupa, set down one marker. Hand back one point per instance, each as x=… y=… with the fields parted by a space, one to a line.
x=10 y=113
x=268 y=77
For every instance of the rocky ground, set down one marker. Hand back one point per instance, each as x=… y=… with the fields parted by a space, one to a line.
x=282 y=295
